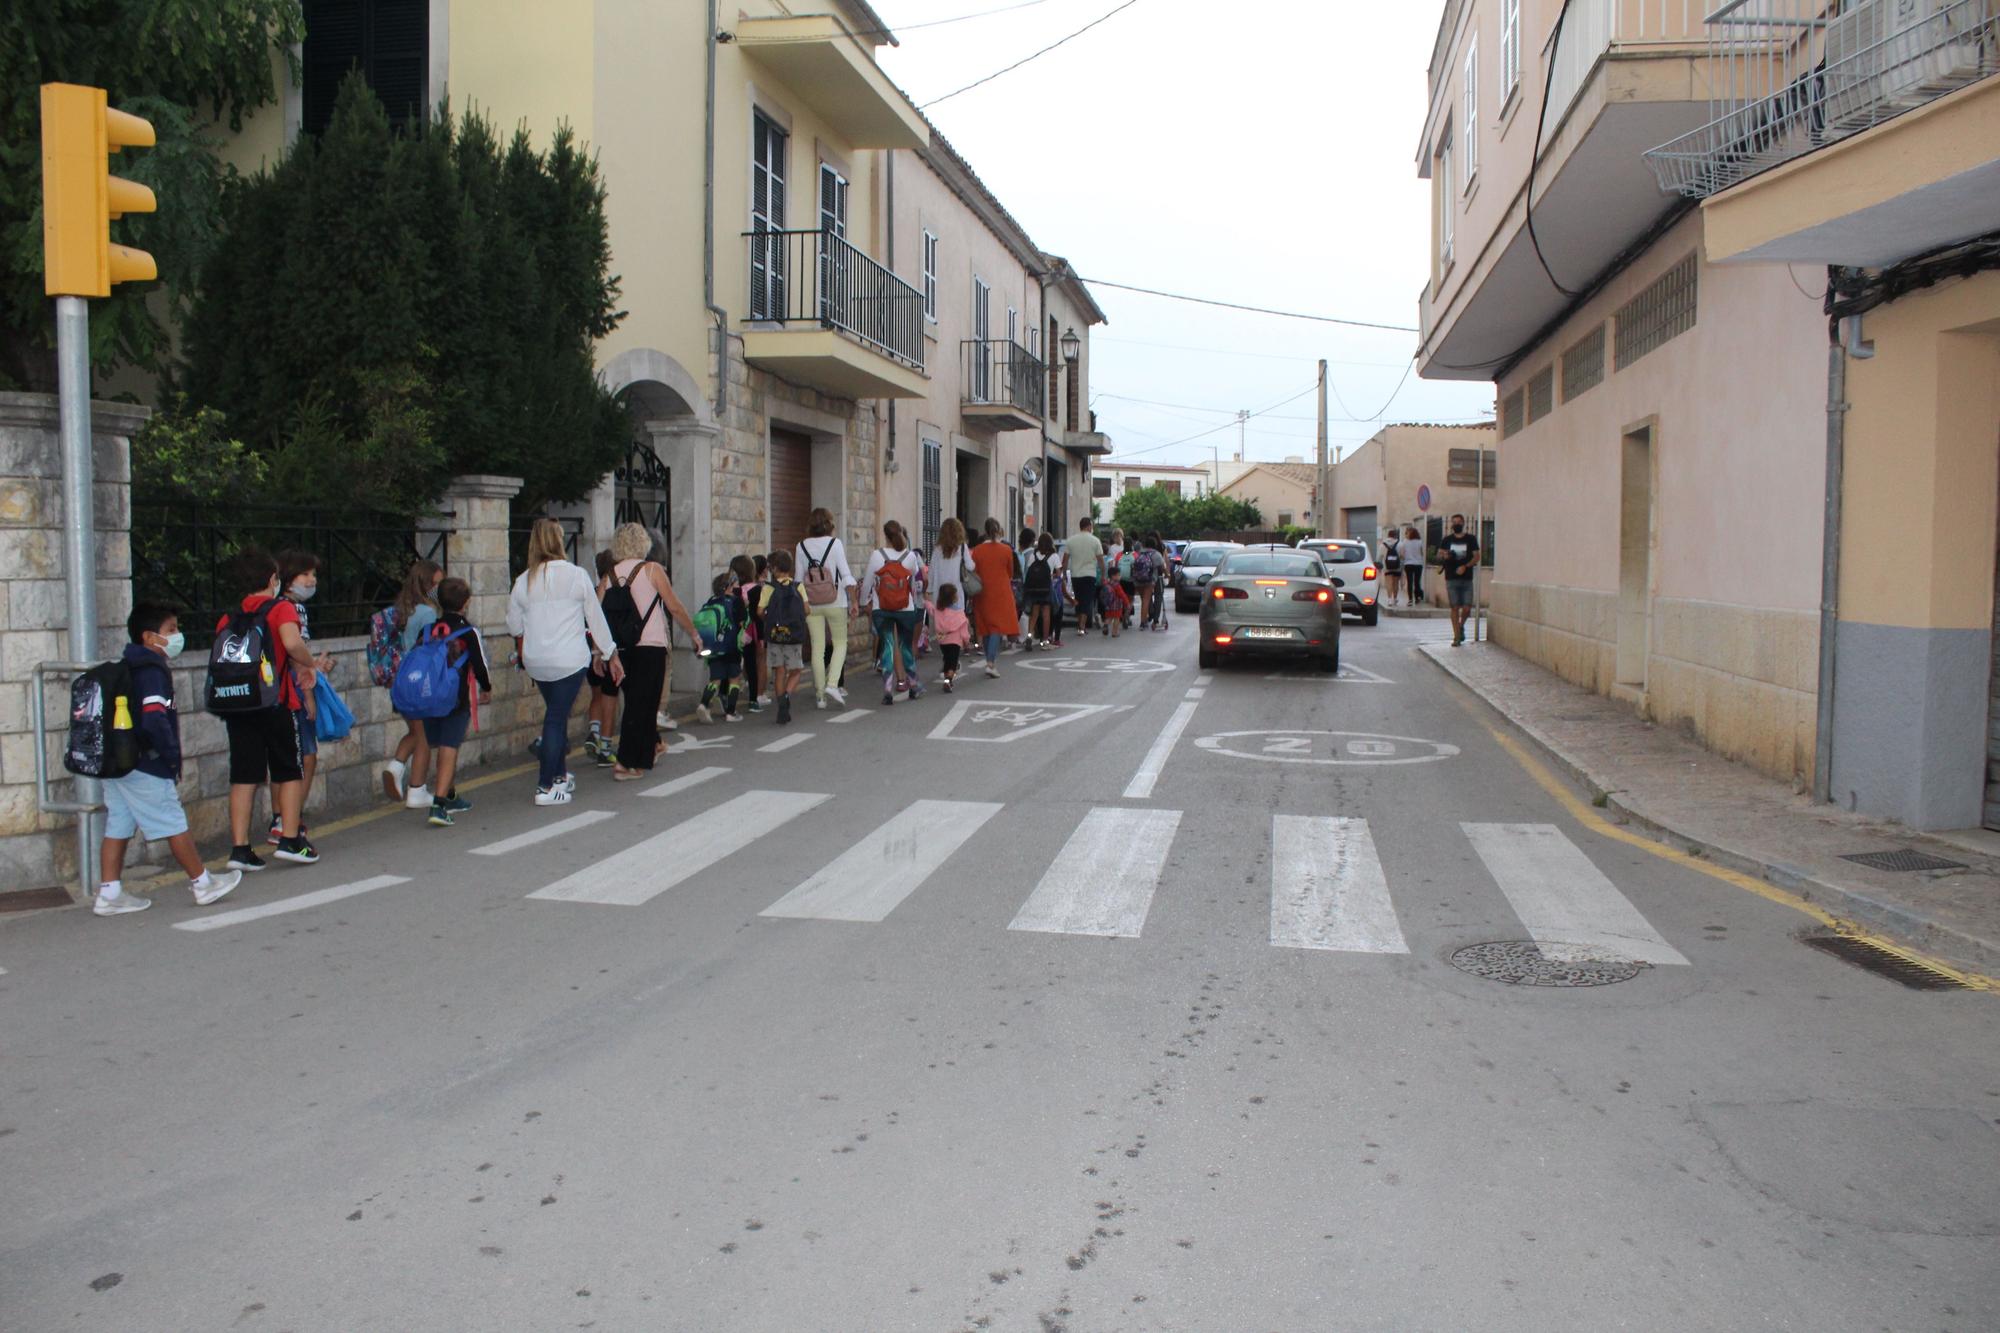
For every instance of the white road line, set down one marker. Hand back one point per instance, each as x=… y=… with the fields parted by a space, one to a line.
x=1196 y=693
x=298 y=904
x=645 y=870
x=684 y=781
x=1103 y=880
x=784 y=743
x=851 y=715
x=543 y=834
x=1203 y=680
x=1327 y=887
x=1142 y=783
x=870 y=879
x=1566 y=902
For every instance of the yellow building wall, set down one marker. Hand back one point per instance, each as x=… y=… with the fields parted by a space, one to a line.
x=525 y=61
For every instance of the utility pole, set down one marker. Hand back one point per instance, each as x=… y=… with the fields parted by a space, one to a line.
x=1242 y=418
x=1479 y=535
x=1323 y=496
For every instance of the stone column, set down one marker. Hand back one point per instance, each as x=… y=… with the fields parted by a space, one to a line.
x=687 y=448
x=38 y=850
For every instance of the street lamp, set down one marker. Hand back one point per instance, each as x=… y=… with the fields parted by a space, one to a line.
x=1072 y=346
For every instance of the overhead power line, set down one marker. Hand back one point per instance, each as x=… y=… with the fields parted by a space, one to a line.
x=1025 y=59
x=901 y=28
x=1227 y=425
x=1253 y=309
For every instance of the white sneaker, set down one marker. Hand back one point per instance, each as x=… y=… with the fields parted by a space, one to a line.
x=419 y=798
x=392 y=779
x=992 y=672
x=567 y=782
x=732 y=717
x=838 y=695
x=702 y=715
x=123 y=903
x=217 y=888
x=556 y=795
x=666 y=723
x=820 y=702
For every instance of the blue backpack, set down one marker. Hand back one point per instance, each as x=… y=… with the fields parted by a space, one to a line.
x=428 y=681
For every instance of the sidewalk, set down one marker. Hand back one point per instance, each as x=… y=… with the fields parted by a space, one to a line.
x=1660 y=783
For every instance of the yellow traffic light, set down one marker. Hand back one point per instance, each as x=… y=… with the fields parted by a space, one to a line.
x=80 y=196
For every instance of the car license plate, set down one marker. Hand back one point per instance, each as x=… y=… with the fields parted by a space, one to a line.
x=1267 y=632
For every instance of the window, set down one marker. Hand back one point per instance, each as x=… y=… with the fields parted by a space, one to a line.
x=1513 y=413
x=933 y=498
x=1013 y=325
x=387 y=40
x=1441 y=174
x=982 y=363
x=1471 y=126
x=1284 y=518
x=834 y=295
x=1541 y=393
x=1100 y=488
x=1172 y=487
x=1661 y=312
x=1510 y=48
x=1134 y=483
x=930 y=275
x=767 y=214
x=1583 y=363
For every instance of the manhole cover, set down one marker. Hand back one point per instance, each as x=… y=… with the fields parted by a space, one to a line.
x=1522 y=963
x=1903 y=858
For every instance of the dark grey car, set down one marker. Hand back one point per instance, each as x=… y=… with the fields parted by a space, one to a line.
x=1280 y=602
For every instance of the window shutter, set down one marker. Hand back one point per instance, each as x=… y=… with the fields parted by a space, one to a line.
x=399 y=58
x=333 y=46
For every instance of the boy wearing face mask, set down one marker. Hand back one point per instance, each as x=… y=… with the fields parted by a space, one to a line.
x=298 y=580
x=144 y=800
x=1458 y=557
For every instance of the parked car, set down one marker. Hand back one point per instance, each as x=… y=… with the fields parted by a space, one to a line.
x=1176 y=554
x=1198 y=562
x=1354 y=573
x=1278 y=601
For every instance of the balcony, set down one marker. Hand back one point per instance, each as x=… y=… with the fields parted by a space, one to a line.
x=1003 y=385
x=816 y=57
x=1894 y=104
x=1089 y=443
x=843 y=324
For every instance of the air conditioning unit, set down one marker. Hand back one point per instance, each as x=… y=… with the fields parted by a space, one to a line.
x=1887 y=56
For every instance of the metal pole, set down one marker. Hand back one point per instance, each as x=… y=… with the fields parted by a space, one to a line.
x=1324 y=498
x=79 y=535
x=1829 y=577
x=1478 y=535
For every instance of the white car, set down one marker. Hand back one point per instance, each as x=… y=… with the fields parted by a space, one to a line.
x=1354 y=573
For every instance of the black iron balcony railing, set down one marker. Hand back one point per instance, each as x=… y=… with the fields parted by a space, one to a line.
x=1001 y=371
x=816 y=277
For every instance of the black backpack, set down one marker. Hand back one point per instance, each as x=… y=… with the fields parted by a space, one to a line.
x=621 y=611
x=1039 y=578
x=242 y=676
x=785 y=615
x=103 y=723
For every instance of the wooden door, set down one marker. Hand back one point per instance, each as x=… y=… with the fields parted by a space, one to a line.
x=790 y=487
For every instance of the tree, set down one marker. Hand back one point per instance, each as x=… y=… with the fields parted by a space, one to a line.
x=1156 y=509
x=392 y=310
x=181 y=65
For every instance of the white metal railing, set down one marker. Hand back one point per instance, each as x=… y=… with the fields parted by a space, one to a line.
x=1790 y=76
x=1591 y=28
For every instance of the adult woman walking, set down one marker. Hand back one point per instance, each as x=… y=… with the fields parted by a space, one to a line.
x=1413 y=566
x=415 y=611
x=552 y=608
x=995 y=615
x=950 y=562
x=653 y=600
x=890 y=588
x=1392 y=567
x=828 y=585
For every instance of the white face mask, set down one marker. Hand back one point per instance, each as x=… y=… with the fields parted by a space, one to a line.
x=303 y=592
x=175 y=642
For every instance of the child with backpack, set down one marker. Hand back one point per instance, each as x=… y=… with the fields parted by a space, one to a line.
x=467 y=656
x=258 y=672
x=890 y=587
x=744 y=590
x=717 y=621
x=954 y=633
x=142 y=799
x=298 y=581
x=393 y=631
x=782 y=608
x=1038 y=581
x=1117 y=606
x=602 y=750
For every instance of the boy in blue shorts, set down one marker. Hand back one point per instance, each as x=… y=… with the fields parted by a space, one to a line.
x=446 y=734
x=144 y=800
x=721 y=627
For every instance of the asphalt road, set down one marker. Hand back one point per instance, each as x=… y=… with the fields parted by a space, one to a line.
x=947 y=1017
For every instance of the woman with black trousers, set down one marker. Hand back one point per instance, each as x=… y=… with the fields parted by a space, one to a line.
x=646 y=658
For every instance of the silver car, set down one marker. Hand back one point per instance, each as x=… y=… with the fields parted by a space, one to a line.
x=1280 y=602
x=1197 y=567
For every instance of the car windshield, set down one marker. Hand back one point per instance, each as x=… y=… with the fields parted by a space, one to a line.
x=1205 y=556
x=1258 y=563
x=1341 y=555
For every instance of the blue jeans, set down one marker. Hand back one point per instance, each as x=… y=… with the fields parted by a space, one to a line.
x=897 y=633
x=992 y=647
x=559 y=696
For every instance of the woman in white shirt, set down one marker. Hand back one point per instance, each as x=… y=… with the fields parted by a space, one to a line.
x=890 y=587
x=552 y=608
x=820 y=565
x=950 y=563
x=1413 y=566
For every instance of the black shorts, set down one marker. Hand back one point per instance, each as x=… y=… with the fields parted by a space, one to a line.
x=263 y=745
x=601 y=682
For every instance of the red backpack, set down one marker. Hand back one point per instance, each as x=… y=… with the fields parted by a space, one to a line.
x=892 y=583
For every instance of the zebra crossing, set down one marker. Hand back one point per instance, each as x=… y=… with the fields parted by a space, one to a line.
x=1329 y=888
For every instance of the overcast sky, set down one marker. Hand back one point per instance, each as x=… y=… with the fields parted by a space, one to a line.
x=1263 y=154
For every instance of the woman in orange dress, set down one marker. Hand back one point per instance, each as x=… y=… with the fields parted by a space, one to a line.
x=994 y=615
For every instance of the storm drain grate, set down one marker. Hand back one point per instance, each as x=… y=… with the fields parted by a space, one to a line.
x=1903 y=858
x=29 y=900
x=1522 y=963
x=1883 y=962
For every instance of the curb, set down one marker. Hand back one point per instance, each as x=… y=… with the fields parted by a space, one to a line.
x=1905 y=924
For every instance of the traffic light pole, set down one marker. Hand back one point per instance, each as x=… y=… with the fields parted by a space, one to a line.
x=80 y=533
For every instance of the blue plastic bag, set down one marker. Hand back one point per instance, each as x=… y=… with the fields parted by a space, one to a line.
x=333 y=718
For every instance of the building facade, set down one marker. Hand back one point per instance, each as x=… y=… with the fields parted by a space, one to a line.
x=1412 y=475
x=1284 y=493
x=1113 y=477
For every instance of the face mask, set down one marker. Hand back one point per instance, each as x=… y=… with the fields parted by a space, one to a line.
x=1457 y=528
x=172 y=647
x=303 y=592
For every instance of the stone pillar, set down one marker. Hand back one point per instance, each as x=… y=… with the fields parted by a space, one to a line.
x=687 y=448
x=38 y=850
x=482 y=512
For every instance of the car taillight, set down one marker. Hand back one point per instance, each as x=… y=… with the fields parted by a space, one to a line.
x=1223 y=639
x=1368 y=573
x=1220 y=593
x=1368 y=601
x=1272 y=583
x=1312 y=595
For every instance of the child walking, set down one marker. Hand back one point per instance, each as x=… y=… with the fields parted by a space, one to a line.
x=446 y=734
x=1118 y=606
x=784 y=613
x=743 y=573
x=954 y=632
x=602 y=747
x=718 y=623
x=144 y=800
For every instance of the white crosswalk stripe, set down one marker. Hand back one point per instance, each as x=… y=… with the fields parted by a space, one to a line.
x=684 y=781
x=1104 y=878
x=783 y=743
x=544 y=833
x=871 y=879
x=1568 y=905
x=645 y=870
x=300 y=903
x=1328 y=890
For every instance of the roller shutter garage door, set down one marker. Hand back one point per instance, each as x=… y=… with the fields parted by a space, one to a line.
x=791 y=487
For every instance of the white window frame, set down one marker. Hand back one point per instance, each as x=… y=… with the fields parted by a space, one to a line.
x=1510 y=49
x=1471 y=113
x=1447 y=197
x=930 y=275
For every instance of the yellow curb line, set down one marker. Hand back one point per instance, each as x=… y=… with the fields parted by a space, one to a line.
x=1596 y=823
